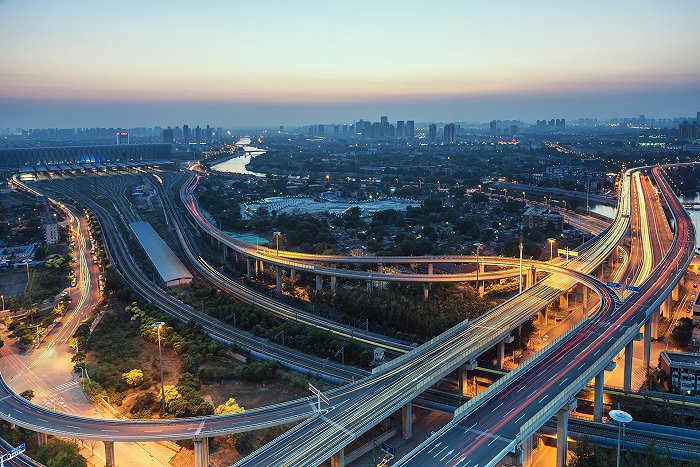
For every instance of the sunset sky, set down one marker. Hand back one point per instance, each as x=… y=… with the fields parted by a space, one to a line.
x=80 y=63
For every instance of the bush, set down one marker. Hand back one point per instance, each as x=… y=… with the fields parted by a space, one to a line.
x=133 y=378
x=231 y=406
x=143 y=403
x=27 y=394
x=94 y=390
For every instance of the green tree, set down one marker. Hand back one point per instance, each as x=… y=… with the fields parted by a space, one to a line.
x=60 y=453
x=27 y=394
x=682 y=333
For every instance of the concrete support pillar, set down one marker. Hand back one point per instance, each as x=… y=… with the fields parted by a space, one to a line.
x=564 y=300
x=247 y=266
x=278 y=279
x=109 y=453
x=563 y=432
x=629 y=352
x=426 y=292
x=292 y=274
x=601 y=274
x=380 y=270
x=319 y=282
x=481 y=288
x=562 y=436
x=42 y=439
x=586 y=290
x=462 y=380
x=430 y=268
x=501 y=350
x=655 y=317
x=257 y=267
x=407 y=421
x=369 y=286
x=647 y=344
x=225 y=253
x=543 y=313
x=598 y=397
x=530 y=278
x=201 y=452
x=525 y=458
x=667 y=305
x=338 y=459
x=675 y=293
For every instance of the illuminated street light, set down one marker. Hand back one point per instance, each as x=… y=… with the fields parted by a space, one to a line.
x=622 y=418
x=158 y=325
x=551 y=248
x=277 y=234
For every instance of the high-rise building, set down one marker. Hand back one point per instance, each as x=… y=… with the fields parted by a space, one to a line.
x=122 y=137
x=448 y=133
x=186 y=134
x=410 y=129
x=168 y=135
x=493 y=127
x=399 y=129
x=384 y=120
x=209 y=134
x=432 y=133
x=197 y=135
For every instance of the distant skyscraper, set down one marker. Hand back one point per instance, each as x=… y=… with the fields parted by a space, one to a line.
x=122 y=137
x=384 y=120
x=209 y=134
x=320 y=129
x=432 y=133
x=410 y=130
x=168 y=135
x=399 y=128
x=186 y=134
x=493 y=127
x=448 y=133
x=336 y=130
x=197 y=135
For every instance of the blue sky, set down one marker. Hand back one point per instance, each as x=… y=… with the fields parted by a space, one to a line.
x=78 y=63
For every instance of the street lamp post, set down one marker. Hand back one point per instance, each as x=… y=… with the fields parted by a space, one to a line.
x=622 y=418
x=478 y=246
x=159 y=325
x=551 y=248
x=3 y=303
x=277 y=234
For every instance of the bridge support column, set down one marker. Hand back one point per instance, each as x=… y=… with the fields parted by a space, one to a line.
x=481 y=289
x=655 y=317
x=430 y=268
x=425 y=292
x=629 y=352
x=564 y=300
x=278 y=279
x=380 y=270
x=675 y=294
x=201 y=452
x=501 y=350
x=407 y=421
x=369 y=286
x=247 y=266
x=530 y=278
x=338 y=459
x=585 y=297
x=225 y=253
x=334 y=284
x=647 y=344
x=601 y=274
x=257 y=267
x=109 y=453
x=462 y=379
x=563 y=432
x=292 y=274
x=543 y=314
x=525 y=457
x=667 y=305
x=42 y=439
x=598 y=397
x=319 y=283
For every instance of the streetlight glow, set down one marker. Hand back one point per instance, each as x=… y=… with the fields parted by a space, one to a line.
x=158 y=325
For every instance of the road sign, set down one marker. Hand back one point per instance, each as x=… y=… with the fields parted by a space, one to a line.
x=13 y=453
x=319 y=395
x=387 y=449
x=632 y=288
x=614 y=285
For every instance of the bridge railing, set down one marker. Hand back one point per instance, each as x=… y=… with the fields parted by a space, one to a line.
x=493 y=389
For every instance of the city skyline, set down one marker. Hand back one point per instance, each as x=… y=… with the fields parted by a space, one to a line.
x=234 y=65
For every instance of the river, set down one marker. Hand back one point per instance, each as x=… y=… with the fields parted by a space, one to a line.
x=237 y=164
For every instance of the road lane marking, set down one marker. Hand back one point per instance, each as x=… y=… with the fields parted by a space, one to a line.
x=518 y=419
x=440 y=452
x=496 y=408
x=521 y=388
x=435 y=447
x=581 y=366
x=340 y=427
x=543 y=398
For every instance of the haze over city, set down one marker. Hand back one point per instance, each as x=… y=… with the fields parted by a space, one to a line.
x=72 y=63
x=364 y=233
